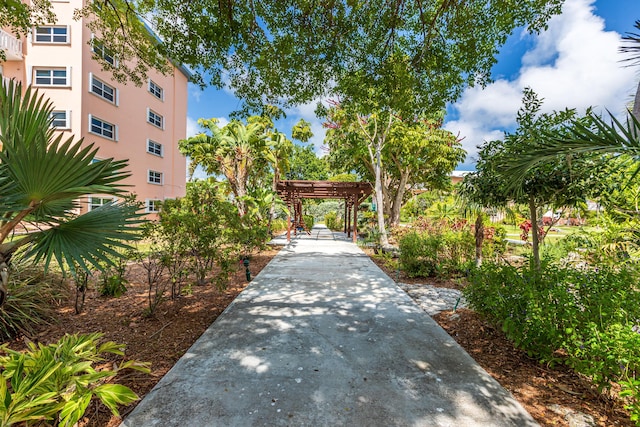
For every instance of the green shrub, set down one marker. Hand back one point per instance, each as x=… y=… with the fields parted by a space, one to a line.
x=29 y=302
x=333 y=222
x=587 y=319
x=631 y=391
x=419 y=254
x=56 y=382
x=309 y=221
x=112 y=282
x=278 y=225
x=425 y=254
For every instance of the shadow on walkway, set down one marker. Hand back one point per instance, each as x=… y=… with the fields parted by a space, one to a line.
x=322 y=337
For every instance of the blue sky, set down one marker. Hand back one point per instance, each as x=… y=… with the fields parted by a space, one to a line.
x=575 y=64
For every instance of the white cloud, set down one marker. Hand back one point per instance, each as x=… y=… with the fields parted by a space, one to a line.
x=575 y=64
x=193 y=128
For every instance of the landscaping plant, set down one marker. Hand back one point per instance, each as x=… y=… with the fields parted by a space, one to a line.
x=587 y=318
x=30 y=300
x=56 y=382
x=113 y=281
x=443 y=247
x=42 y=179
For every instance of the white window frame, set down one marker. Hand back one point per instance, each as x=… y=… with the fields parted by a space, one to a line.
x=102 y=51
x=101 y=85
x=153 y=117
x=67 y=119
x=151 y=143
x=156 y=90
x=51 y=35
x=67 y=77
x=103 y=201
x=150 y=202
x=114 y=131
x=152 y=176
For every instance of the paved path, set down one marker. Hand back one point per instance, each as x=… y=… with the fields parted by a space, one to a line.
x=322 y=337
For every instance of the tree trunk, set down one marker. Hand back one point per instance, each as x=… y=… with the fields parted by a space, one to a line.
x=535 y=239
x=272 y=208
x=479 y=234
x=394 y=218
x=240 y=202
x=384 y=241
x=636 y=103
x=4 y=277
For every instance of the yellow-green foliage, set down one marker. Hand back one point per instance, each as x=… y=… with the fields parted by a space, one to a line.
x=56 y=382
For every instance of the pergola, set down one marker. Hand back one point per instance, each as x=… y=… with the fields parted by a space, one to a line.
x=353 y=193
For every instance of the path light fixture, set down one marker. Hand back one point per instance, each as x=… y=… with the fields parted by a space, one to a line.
x=245 y=262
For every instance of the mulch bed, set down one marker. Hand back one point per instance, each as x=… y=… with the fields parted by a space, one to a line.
x=548 y=393
x=165 y=337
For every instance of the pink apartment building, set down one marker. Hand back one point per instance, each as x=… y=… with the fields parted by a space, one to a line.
x=141 y=124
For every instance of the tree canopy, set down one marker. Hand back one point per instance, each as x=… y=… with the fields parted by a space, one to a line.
x=561 y=180
x=291 y=52
x=414 y=153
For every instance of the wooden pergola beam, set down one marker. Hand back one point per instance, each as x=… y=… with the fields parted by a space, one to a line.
x=353 y=193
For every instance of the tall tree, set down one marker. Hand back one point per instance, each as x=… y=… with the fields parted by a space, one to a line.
x=563 y=180
x=233 y=151
x=289 y=52
x=350 y=124
x=418 y=153
x=42 y=179
x=305 y=165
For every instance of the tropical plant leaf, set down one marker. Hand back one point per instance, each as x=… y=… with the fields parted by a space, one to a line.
x=74 y=409
x=113 y=395
x=89 y=238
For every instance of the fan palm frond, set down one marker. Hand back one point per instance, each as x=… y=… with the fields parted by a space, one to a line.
x=42 y=178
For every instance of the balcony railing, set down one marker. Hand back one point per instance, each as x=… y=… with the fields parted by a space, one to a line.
x=11 y=45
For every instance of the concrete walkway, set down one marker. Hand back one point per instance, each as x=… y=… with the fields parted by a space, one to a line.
x=322 y=337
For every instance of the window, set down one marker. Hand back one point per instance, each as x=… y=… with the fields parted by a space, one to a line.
x=50 y=34
x=154 y=148
x=155 y=119
x=96 y=202
x=156 y=90
x=101 y=51
x=61 y=119
x=102 y=128
x=153 y=205
x=103 y=90
x=51 y=77
x=154 y=177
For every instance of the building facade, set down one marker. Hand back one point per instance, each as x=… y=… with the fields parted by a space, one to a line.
x=141 y=124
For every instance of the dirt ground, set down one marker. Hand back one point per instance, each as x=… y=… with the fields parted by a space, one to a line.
x=161 y=339
x=165 y=337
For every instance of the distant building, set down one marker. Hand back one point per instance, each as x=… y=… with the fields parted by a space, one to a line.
x=142 y=124
x=458 y=176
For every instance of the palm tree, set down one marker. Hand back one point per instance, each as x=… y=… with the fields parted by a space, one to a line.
x=42 y=179
x=633 y=48
x=232 y=151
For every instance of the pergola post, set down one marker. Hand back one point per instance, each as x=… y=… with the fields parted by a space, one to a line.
x=348 y=219
x=288 y=220
x=344 y=218
x=292 y=191
x=355 y=219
